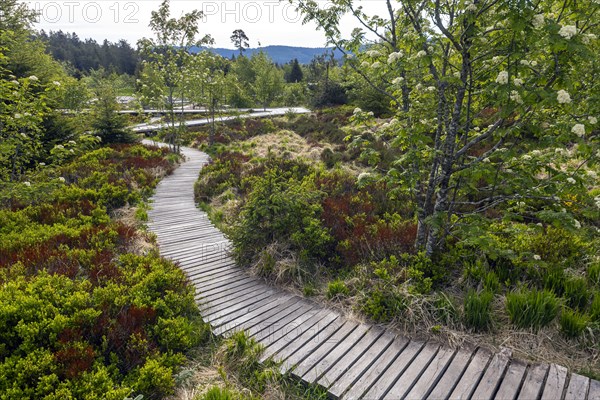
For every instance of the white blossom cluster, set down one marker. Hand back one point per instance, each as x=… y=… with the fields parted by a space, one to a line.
x=538 y=21
x=579 y=130
x=393 y=57
x=516 y=97
x=502 y=78
x=563 y=97
x=568 y=31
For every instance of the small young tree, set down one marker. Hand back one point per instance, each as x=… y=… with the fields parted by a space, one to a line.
x=106 y=121
x=168 y=55
x=268 y=84
x=207 y=84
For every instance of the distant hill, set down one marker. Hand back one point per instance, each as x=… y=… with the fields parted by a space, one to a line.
x=279 y=54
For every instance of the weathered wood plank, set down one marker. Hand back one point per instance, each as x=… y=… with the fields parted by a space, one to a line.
x=308 y=328
x=406 y=381
x=453 y=373
x=468 y=382
x=305 y=358
x=493 y=375
x=321 y=331
x=534 y=382
x=431 y=375
x=594 y=393
x=578 y=387
x=399 y=365
x=555 y=383
x=370 y=377
x=236 y=310
x=256 y=315
x=270 y=330
x=509 y=388
x=331 y=354
x=371 y=356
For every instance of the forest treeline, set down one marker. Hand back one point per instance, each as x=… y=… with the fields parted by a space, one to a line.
x=85 y=55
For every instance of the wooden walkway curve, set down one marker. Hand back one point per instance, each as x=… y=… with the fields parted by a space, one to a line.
x=318 y=345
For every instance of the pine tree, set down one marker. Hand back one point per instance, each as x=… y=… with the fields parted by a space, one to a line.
x=296 y=74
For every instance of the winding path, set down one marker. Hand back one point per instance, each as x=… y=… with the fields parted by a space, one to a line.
x=317 y=345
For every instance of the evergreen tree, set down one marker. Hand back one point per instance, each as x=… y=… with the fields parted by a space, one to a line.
x=295 y=74
x=240 y=40
x=106 y=121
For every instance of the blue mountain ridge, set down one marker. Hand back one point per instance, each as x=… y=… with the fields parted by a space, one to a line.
x=279 y=54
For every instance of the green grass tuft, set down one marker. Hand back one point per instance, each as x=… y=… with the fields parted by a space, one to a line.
x=532 y=308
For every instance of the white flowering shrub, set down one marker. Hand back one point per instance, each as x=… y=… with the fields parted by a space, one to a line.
x=476 y=89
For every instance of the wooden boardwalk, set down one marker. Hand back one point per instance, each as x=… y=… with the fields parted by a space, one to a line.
x=317 y=345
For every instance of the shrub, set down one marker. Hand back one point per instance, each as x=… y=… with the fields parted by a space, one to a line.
x=477 y=310
x=383 y=305
x=532 y=308
x=572 y=323
x=83 y=318
x=337 y=289
x=281 y=210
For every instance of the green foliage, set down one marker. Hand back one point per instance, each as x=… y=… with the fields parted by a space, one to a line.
x=383 y=306
x=595 y=307
x=106 y=121
x=84 y=318
x=532 y=308
x=573 y=323
x=576 y=292
x=282 y=209
x=218 y=393
x=337 y=289
x=594 y=274
x=477 y=310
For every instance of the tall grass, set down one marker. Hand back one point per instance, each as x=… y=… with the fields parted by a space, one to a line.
x=477 y=310
x=532 y=308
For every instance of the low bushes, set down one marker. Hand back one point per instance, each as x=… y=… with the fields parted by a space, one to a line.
x=83 y=316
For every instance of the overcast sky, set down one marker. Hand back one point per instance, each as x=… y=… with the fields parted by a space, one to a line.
x=268 y=22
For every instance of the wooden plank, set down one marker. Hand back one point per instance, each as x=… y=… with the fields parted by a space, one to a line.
x=214 y=294
x=240 y=297
x=315 y=334
x=509 y=388
x=594 y=393
x=329 y=355
x=468 y=382
x=330 y=336
x=236 y=310
x=264 y=327
x=398 y=366
x=452 y=375
x=534 y=382
x=411 y=374
x=372 y=356
x=493 y=375
x=432 y=374
x=255 y=315
x=353 y=351
x=308 y=328
x=370 y=377
x=289 y=328
x=207 y=290
x=271 y=330
x=578 y=387
x=555 y=383
x=207 y=300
